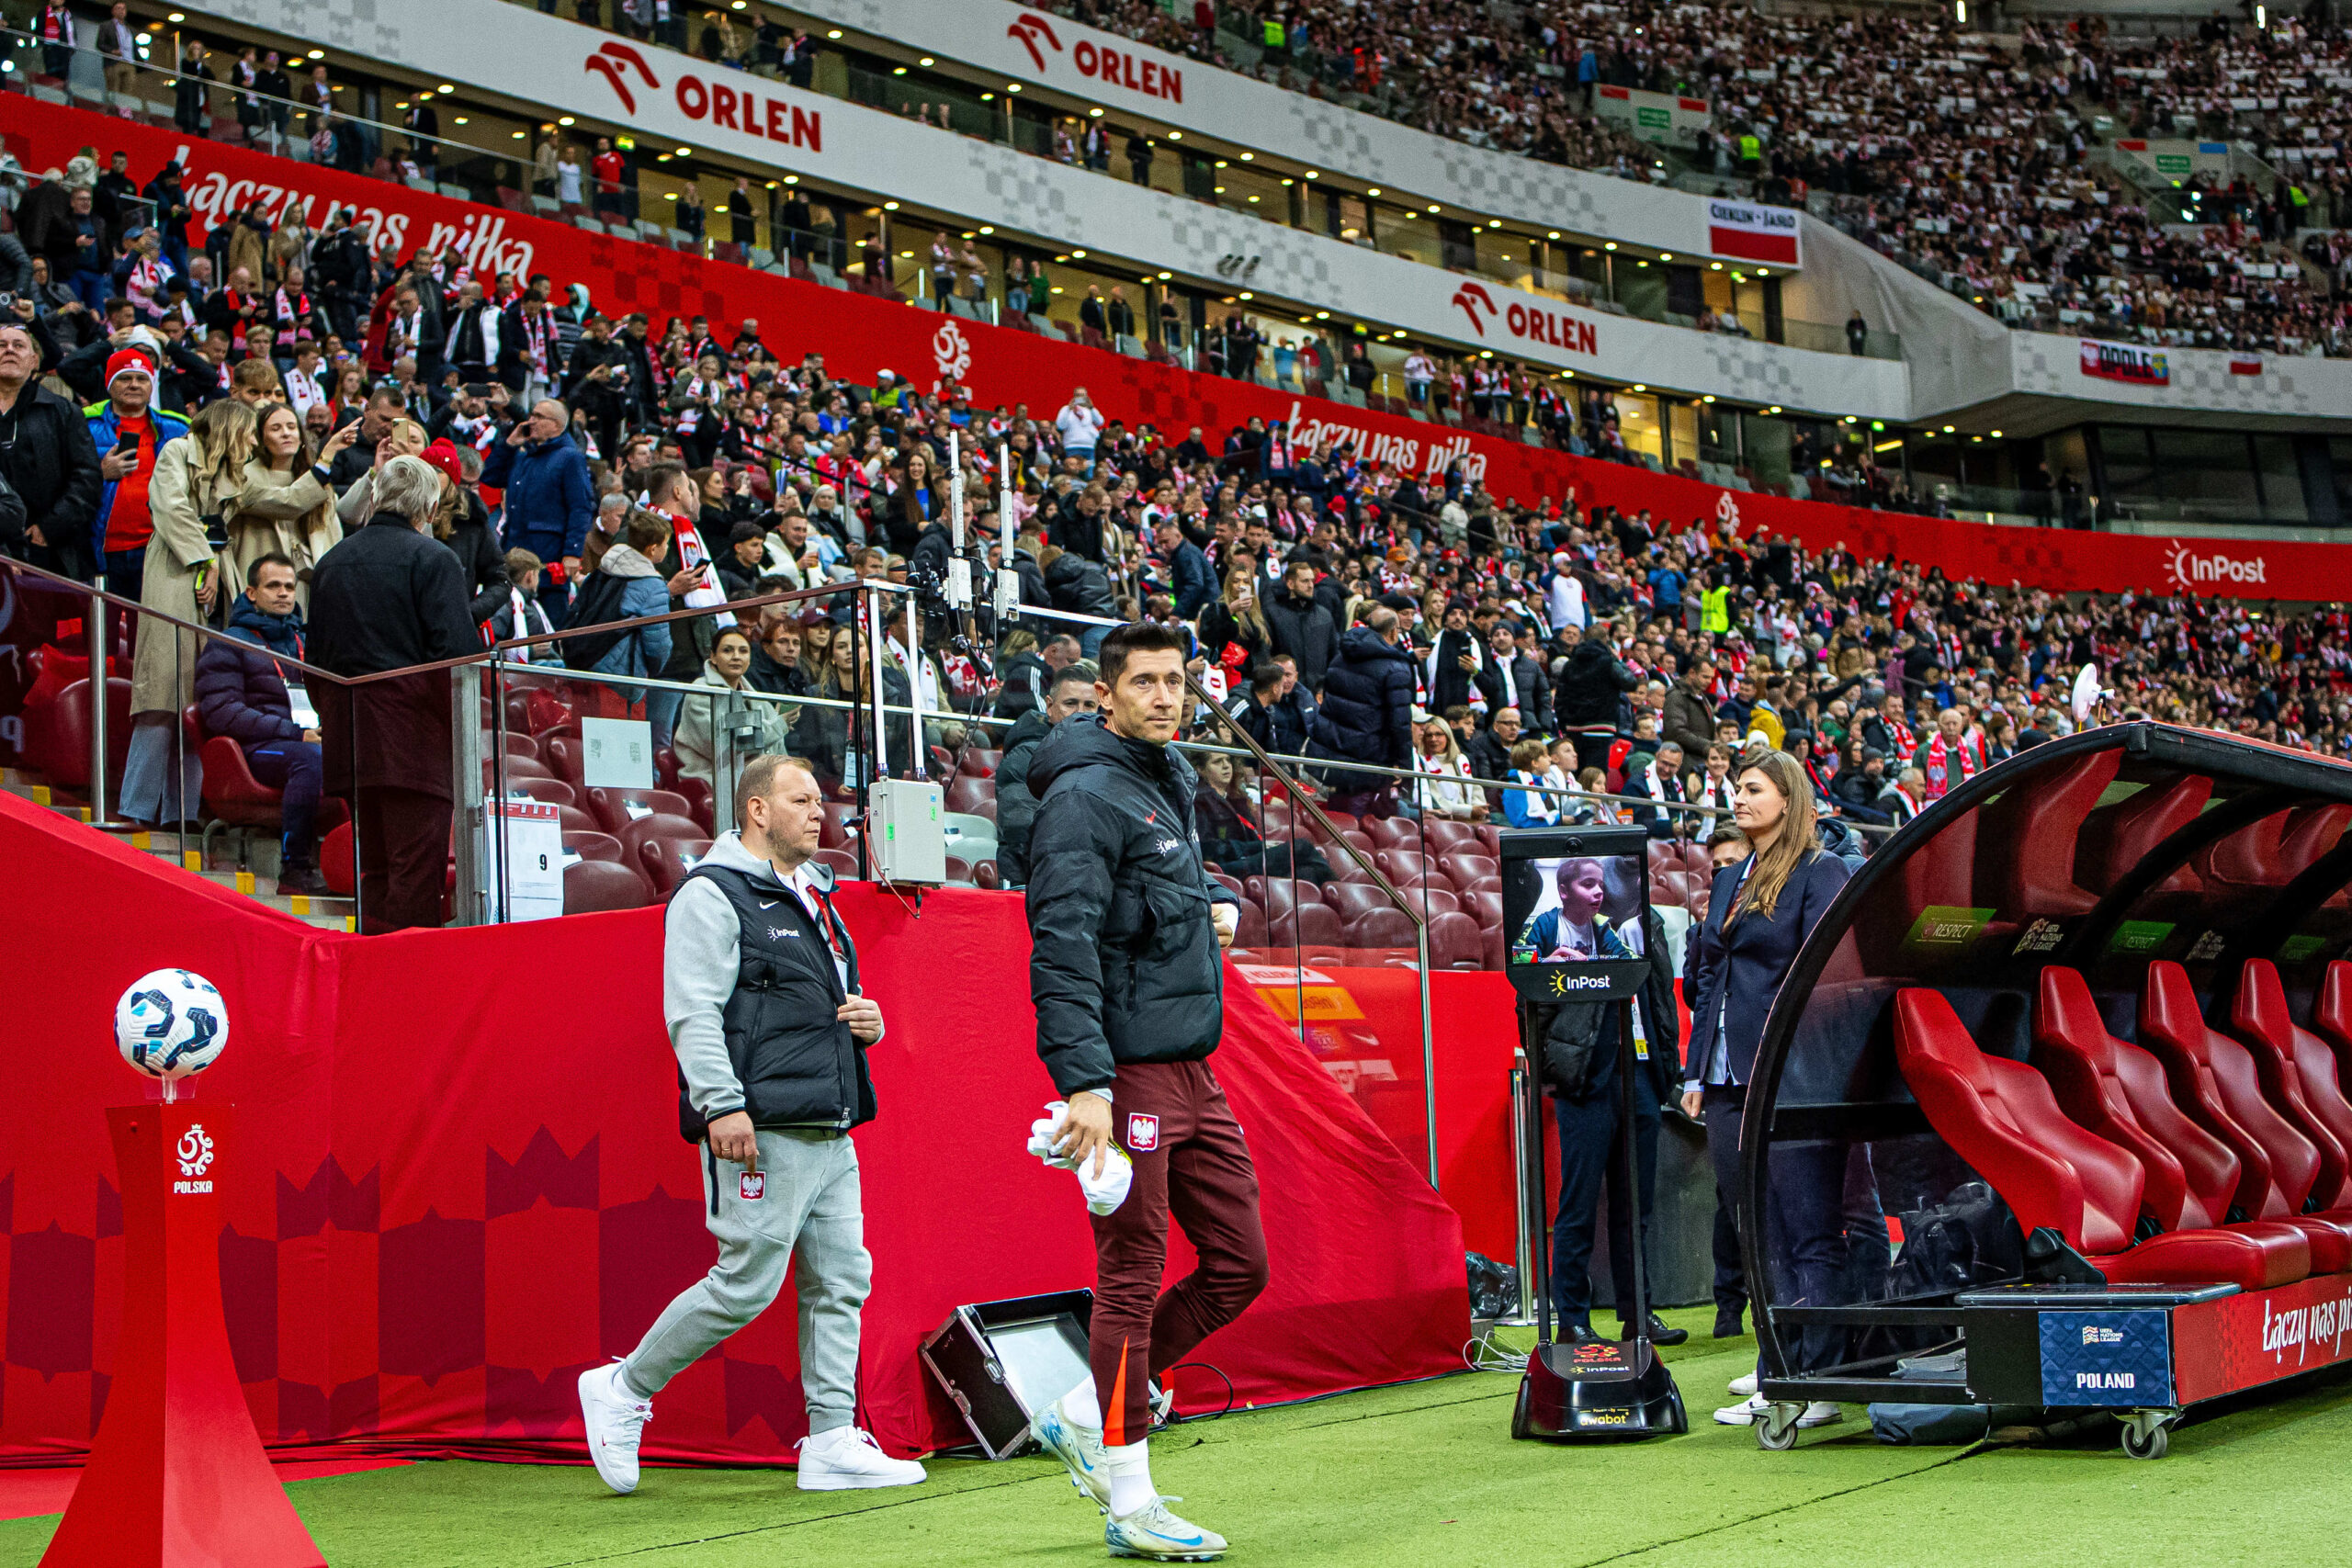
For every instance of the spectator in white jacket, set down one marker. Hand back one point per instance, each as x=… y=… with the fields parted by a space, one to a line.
x=1080 y=426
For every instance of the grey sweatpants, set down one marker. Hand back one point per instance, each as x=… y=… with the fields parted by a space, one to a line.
x=811 y=1215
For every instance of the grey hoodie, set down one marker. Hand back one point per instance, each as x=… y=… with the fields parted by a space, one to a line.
x=699 y=964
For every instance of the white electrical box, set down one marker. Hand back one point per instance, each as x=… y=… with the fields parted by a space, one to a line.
x=1008 y=592
x=906 y=830
x=959 y=583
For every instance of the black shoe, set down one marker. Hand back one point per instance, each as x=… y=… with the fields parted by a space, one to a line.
x=1580 y=1334
x=1659 y=1333
x=1727 y=1325
x=301 y=882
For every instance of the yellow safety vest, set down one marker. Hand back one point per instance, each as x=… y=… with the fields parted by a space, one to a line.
x=1714 y=610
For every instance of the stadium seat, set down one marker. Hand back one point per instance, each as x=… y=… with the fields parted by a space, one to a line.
x=1229 y=884
x=1431 y=898
x=1392 y=832
x=1387 y=926
x=57 y=733
x=699 y=803
x=553 y=792
x=1354 y=900
x=615 y=807
x=1250 y=931
x=844 y=861
x=1313 y=925
x=522 y=746
x=1446 y=838
x=2213 y=1078
x=2298 y=1074
x=577 y=819
x=1485 y=908
x=1455 y=942
x=969 y=794
x=665 y=861
x=1999 y=1116
x=839 y=815
x=590 y=886
x=562 y=754
x=2117 y=1090
x=636 y=834
x=592 y=846
x=232 y=794
x=665 y=768
x=1400 y=864
x=2116 y=838
x=2331 y=1016
x=1464 y=870
x=978 y=763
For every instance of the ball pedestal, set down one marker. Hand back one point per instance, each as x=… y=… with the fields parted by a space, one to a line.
x=178 y=1477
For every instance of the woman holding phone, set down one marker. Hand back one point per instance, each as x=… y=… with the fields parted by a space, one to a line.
x=1759 y=912
x=286 y=505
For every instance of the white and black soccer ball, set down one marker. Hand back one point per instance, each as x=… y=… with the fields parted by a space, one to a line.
x=171 y=1024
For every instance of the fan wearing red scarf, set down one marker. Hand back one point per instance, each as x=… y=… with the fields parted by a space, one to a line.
x=1948 y=758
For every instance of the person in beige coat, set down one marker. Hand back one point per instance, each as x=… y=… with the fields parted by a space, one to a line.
x=286 y=505
x=196 y=476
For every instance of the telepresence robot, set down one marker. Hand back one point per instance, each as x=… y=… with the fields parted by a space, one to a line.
x=1598 y=1389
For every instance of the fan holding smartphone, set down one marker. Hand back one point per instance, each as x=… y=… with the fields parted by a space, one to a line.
x=127 y=430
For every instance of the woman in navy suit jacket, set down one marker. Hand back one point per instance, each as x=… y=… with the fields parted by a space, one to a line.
x=1760 y=913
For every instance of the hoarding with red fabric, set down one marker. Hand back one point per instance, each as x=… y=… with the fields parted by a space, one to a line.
x=860 y=334
x=464 y=1182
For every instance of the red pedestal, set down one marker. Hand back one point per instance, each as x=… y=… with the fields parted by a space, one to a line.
x=178 y=1477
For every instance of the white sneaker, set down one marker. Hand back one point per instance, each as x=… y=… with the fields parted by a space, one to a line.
x=846 y=1458
x=1746 y=1412
x=1820 y=1412
x=1744 y=1384
x=1079 y=1448
x=616 y=1418
x=1151 y=1531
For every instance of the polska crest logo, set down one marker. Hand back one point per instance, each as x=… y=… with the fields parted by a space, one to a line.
x=1728 y=510
x=195 y=1151
x=950 y=350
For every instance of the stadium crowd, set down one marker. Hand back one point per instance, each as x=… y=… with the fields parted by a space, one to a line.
x=1973 y=159
x=596 y=468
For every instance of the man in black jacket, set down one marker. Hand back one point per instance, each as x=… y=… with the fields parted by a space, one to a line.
x=1302 y=627
x=389 y=596
x=1130 y=999
x=1366 y=715
x=1515 y=680
x=1584 y=699
x=1454 y=660
x=1070 y=692
x=1580 y=1063
x=48 y=459
x=760 y=991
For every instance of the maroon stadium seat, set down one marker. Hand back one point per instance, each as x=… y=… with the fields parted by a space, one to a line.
x=232 y=794
x=1454 y=943
x=969 y=795
x=616 y=808
x=978 y=763
x=551 y=792
x=1308 y=925
x=562 y=754
x=1464 y=870
x=1485 y=908
x=2297 y=1073
x=574 y=819
x=1251 y=931
x=665 y=861
x=1383 y=927
x=592 y=846
x=590 y=886
x=1354 y=899
x=634 y=836
x=1229 y=884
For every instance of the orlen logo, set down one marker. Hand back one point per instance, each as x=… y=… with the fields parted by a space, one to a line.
x=1027 y=29
x=1474 y=298
x=2187 y=570
x=607 y=62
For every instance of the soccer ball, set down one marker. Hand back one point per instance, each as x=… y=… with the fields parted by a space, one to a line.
x=171 y=1024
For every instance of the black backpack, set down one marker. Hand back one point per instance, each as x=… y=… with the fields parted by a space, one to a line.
x=596 y=604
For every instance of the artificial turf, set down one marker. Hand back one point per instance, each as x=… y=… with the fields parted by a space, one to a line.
x=1425 y=1475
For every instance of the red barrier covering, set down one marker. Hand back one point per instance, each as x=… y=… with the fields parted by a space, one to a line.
x=859 y=334
x=462 y=1181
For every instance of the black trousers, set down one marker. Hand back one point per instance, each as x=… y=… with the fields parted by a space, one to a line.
x=1722 y=1106
x=403 y=857
x=1592 y=1150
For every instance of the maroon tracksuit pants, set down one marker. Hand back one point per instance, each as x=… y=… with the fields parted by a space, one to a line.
x=1190 y=1161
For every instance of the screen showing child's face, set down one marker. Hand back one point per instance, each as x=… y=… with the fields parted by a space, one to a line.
x=1582 y=888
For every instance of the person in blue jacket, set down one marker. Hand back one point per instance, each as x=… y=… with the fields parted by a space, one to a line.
x=128 y=410
x=549 y=502
x=240 y=692
x=1759 y=915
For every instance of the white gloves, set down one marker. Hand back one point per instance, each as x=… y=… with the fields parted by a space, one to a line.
x=1104 y=1192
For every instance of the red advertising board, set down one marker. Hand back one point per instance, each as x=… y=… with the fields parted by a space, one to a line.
x=2244 y=1341
x=859 y=334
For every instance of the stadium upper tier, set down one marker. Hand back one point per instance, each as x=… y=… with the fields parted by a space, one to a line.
x=1559 y=299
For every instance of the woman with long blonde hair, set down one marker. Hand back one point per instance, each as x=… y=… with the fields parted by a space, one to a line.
x=196 y=477
x=1760 y=912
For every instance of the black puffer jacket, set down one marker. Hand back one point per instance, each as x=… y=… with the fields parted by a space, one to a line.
x=1366 y=715
x=1079 y=586
x=1123 y=963
x=1586 y=692
x=1303 y=629
x=1016 y=808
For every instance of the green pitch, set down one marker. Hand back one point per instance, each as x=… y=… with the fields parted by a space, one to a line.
x=1423 y=1476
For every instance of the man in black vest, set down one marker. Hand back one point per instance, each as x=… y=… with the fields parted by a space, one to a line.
x=760 y=991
